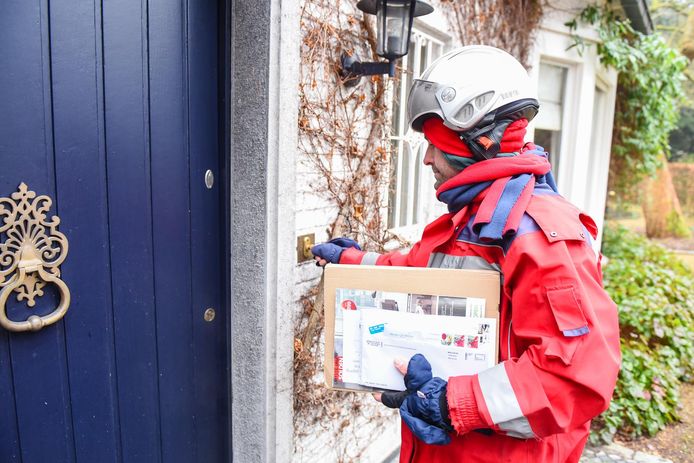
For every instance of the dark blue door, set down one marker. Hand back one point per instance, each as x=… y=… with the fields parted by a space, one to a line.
x=112 y=109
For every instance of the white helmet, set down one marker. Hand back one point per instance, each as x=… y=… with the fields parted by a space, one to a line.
x=472 y=88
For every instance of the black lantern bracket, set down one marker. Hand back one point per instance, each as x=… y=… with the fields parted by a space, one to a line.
x=352 y=69
x=394 y=26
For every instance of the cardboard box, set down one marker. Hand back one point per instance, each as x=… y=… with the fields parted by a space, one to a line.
x=422 y=285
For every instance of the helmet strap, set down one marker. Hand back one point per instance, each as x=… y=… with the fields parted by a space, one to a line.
x=485 y=142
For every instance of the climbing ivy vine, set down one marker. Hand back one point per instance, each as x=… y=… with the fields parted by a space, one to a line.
x=648 y=96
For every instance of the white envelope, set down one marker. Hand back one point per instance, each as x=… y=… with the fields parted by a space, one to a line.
x=454 y=346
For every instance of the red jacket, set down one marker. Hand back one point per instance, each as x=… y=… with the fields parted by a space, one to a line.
x=559 y=338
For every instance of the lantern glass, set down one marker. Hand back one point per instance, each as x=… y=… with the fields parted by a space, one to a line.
x=394 y=22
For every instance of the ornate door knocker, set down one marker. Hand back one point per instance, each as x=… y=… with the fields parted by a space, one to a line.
x=30 y=254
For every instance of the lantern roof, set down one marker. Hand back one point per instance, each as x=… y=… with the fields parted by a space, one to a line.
x=371 y=6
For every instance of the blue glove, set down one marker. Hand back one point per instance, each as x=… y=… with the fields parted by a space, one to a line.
x=332 y=250
x=424 y=406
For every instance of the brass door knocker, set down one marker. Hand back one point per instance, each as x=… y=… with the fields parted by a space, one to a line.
x=30 y=254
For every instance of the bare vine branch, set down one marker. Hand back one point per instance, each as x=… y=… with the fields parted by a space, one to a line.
x=343 y=136
x=510 y=26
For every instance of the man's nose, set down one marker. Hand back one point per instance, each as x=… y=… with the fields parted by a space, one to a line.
x=429 y=155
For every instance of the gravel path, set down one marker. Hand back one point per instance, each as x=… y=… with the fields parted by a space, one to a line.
x=615 y=453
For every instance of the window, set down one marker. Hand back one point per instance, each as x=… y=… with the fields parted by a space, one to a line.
x=408 y=183
x=549 y=121
x=599 y=109
x=599 y=155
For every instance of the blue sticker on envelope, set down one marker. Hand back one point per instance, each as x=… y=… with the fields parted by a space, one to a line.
x=377 y=328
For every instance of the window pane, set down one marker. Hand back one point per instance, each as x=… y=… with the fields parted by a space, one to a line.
x=550 y=140
x=396 y=108
x=552 y=80
x=551 y=89
x=417 y=182
x=423 y=57
x=598 y=149
x=410 y=70
x=404 y=183
x=598 y=107
x=551 y=116
x=405 y=206
x=548 y=122
x=393 y=184
x=435 y=52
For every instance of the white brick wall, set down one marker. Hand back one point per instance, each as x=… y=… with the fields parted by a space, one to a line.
x=363 y=441
x=358 y=430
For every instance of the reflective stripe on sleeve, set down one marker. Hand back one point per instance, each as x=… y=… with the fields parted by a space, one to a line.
x=443 y=260
x=502 y=403
x=370 y=258
x=498 y=394
x=519 y=428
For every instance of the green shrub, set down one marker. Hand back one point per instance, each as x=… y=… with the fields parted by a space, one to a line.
x=655 y=294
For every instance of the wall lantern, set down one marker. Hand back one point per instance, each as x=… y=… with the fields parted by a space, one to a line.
x=394 y=25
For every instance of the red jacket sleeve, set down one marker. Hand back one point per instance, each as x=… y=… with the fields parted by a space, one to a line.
x=564 y=343
x=438 y=232
x=397 y=258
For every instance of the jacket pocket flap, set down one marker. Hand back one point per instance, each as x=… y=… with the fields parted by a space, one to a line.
x=567 y=311
x=563 y=349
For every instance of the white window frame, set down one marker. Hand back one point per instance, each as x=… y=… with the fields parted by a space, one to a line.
x=571 y=95
x=553 y=48
x=583 y=170
x=600 y=150
x=420 y=202
x=553 y=147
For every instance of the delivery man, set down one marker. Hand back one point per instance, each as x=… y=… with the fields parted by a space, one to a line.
x=559 y=340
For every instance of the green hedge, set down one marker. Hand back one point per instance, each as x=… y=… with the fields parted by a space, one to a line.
x=655 y=294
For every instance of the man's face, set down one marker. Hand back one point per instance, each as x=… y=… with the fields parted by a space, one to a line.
x=439 y=165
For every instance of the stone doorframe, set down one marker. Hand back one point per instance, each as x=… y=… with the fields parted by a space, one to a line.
x=264 y=40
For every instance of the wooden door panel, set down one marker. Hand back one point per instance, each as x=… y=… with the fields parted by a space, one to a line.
x=37 y=366
x=114 y=114
x=80 y=162
x=169 y=120
x=129 y=205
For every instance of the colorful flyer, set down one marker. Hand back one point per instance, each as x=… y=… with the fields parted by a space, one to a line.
x=373 y=328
